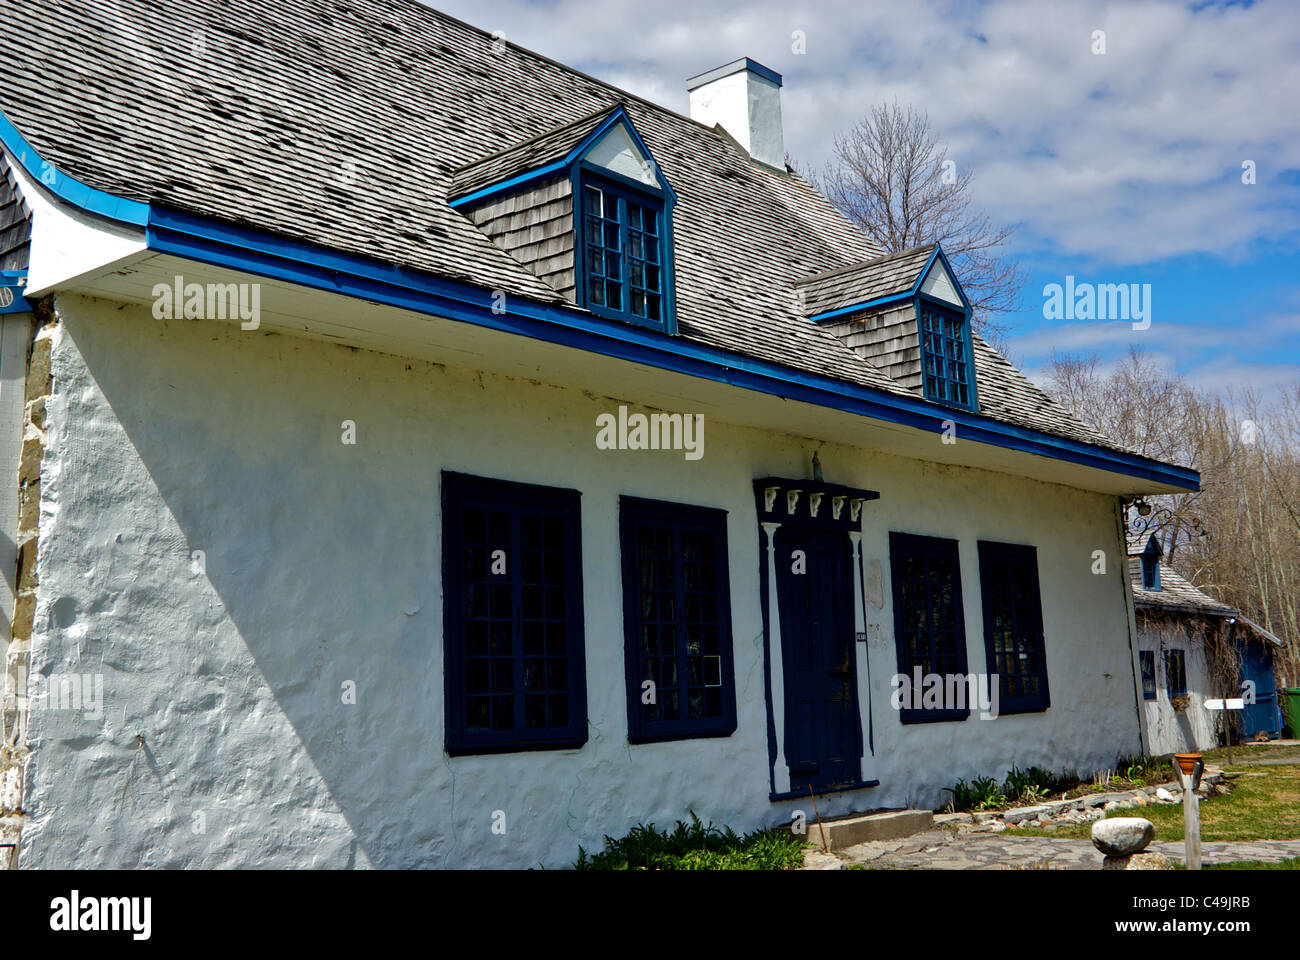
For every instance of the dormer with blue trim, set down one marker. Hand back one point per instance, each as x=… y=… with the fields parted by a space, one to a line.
x=615 y=257
x=905 y=313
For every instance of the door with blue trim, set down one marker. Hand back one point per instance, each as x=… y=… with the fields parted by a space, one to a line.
x=823 y=730
x=1262 y=716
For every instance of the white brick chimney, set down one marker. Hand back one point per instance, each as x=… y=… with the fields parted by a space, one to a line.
x=745 y=98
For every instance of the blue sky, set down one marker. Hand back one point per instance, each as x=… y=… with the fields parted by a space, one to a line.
x=1120 y=167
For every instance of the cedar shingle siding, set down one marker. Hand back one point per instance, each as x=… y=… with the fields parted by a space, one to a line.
x=535 y=226
x=15 y=222
x=887 y=337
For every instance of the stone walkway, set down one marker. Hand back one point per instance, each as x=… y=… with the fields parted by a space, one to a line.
x=945 y=850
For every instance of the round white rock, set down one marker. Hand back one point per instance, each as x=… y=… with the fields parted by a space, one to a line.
x=1122 y=836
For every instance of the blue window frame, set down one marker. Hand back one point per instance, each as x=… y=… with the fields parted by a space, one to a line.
x=513 y=621
x=624 y=258
x=677 y=621
x=946 y=354
x=929 y=622
x=1175 y=673
x=1013 y=626
x=1147 y=661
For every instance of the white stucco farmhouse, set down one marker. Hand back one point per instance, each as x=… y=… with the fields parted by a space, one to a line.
x=422 y=454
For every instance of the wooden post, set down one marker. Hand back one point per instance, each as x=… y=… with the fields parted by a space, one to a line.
x=1191 y=813
x=826 y=840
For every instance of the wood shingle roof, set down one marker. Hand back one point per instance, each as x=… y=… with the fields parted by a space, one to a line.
x=350 y=124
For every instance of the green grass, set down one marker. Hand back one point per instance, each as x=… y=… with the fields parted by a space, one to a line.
x=1261 y=808
x=1292 y=864
x=1258 y=752
x=695 y=846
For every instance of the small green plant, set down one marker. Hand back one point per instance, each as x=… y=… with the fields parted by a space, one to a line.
x=980 y=794
x=1029 y=785
x=695 y=846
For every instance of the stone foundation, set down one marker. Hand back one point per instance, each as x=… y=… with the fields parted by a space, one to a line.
x=14 y=752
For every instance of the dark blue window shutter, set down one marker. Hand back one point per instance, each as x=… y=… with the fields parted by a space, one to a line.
x=513 y=616
x=1013 y=625
x=677 y=620
x=929 y=622
x=1147 y=659
x=1175 y=673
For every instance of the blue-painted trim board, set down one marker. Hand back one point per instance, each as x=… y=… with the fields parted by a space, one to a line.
x=619 y=116
x=11 y=296
x=294 y=261
x=910 y=294
x=66 y=188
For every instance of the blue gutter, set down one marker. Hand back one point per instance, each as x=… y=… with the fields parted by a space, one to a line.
x=70 y=189
x=294 y=261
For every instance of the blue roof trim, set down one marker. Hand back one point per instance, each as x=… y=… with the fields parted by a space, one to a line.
x=67 y=188
x=866 y=305
x=555 y=166
x=620 y=114
x=295 y=261
x=897 y=297
x=940 y=255
x=515 y=181
x=11 y=298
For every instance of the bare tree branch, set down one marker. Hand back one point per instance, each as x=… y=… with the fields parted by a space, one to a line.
x=890 y=175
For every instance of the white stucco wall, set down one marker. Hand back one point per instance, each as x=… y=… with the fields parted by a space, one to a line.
x=222 y=686
x=1170 y=730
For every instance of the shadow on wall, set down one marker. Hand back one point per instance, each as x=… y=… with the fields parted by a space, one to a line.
x=317 y=558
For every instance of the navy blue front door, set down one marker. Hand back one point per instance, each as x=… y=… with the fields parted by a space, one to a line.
x=823 y=732
x=1262 y=716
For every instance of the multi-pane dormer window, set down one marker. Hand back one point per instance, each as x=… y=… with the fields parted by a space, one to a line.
x=623 y=252
x=946 y=365
x=586 y=208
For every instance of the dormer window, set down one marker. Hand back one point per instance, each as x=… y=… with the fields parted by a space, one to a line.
x=945 y=340
x=1150 y=572
x=1151 y=555
x=586 y=209
x=907 y=314
x=624 y=257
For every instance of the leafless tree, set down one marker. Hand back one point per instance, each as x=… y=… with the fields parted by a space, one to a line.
x=1238 y=537
x=891 y=175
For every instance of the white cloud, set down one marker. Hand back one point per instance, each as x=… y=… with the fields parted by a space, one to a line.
x=1128 y=157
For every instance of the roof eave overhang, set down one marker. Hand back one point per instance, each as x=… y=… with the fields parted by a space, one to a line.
x=1159 y=607
x=209 y=241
